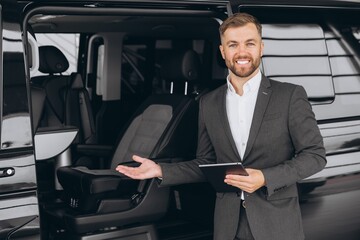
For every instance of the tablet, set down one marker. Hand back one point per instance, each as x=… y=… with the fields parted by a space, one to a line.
x=215 y=174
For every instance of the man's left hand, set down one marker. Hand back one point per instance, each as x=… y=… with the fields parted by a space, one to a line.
x=250 y=183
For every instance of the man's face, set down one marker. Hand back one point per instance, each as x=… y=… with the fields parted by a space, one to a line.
x=242 y=48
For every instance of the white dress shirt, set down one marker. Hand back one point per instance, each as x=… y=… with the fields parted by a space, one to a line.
x=240 y=111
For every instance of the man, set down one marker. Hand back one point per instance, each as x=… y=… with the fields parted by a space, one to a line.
x=267 y=125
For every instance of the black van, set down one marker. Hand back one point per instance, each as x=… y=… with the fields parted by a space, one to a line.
x=86 y=84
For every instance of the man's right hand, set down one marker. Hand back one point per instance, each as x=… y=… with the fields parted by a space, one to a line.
x=147 y=169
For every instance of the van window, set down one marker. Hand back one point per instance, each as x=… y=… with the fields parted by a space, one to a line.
x=345 y=70
x=297 y=53
x=316 y=50
x=317 y=57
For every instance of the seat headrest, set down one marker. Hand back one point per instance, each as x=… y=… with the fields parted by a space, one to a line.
x=52 y=60
x=182 y=66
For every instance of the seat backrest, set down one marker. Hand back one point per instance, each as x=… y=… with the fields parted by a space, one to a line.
x=165 y=125
x=53 y=63
x=78 y=110
x=67 y=100
x=38 y=96
x=159 y=126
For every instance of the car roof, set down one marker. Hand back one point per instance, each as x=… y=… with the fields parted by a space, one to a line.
x=327 y=3
x=196 y=8
x=115 y=16
x=214 y=2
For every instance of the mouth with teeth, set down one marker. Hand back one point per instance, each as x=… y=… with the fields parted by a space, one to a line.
x=242 y=66
x=242 y=62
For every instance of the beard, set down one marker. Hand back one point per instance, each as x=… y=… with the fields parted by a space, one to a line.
x=243 y=71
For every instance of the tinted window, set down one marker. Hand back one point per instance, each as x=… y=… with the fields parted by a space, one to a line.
x=297 y=53
x=318 y=50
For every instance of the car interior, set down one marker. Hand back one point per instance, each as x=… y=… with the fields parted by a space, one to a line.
x=140 y=73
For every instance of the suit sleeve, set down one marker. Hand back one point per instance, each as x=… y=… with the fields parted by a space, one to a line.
x=189 y=171
x=309 y=157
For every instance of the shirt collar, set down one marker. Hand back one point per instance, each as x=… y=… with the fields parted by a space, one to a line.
x=252 y=84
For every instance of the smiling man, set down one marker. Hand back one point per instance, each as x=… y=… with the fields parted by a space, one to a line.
x=242 y=55
x=268 y=126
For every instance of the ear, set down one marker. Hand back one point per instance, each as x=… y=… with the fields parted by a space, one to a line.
x=262 y=48
x=222 y=51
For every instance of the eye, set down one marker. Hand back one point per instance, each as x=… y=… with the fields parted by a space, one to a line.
x=250 y=44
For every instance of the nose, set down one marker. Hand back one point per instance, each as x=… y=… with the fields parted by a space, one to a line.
x=241 y=48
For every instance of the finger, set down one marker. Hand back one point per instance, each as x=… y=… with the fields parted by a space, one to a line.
x=239 y=178
x=121 y=168
x=124 y=170
x=237 y=183
x=132 y=173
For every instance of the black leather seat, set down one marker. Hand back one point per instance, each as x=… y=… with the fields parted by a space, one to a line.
x=66 y=104
x=67 y=100
x=164 y=128
x=53 y=63
x=78 y=112
x=38 y=97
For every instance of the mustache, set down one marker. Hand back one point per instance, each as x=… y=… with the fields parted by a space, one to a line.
x=243 y=57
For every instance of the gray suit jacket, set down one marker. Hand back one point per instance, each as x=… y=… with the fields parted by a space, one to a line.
x=284 y=142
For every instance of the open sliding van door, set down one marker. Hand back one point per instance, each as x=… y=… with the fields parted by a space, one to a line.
x=19 y=213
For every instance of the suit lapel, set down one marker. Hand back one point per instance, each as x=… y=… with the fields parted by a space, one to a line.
x=225 y=121
x=259 y=111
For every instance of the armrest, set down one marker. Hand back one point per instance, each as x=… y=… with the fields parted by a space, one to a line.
x=83 y=181
x=84 y=189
